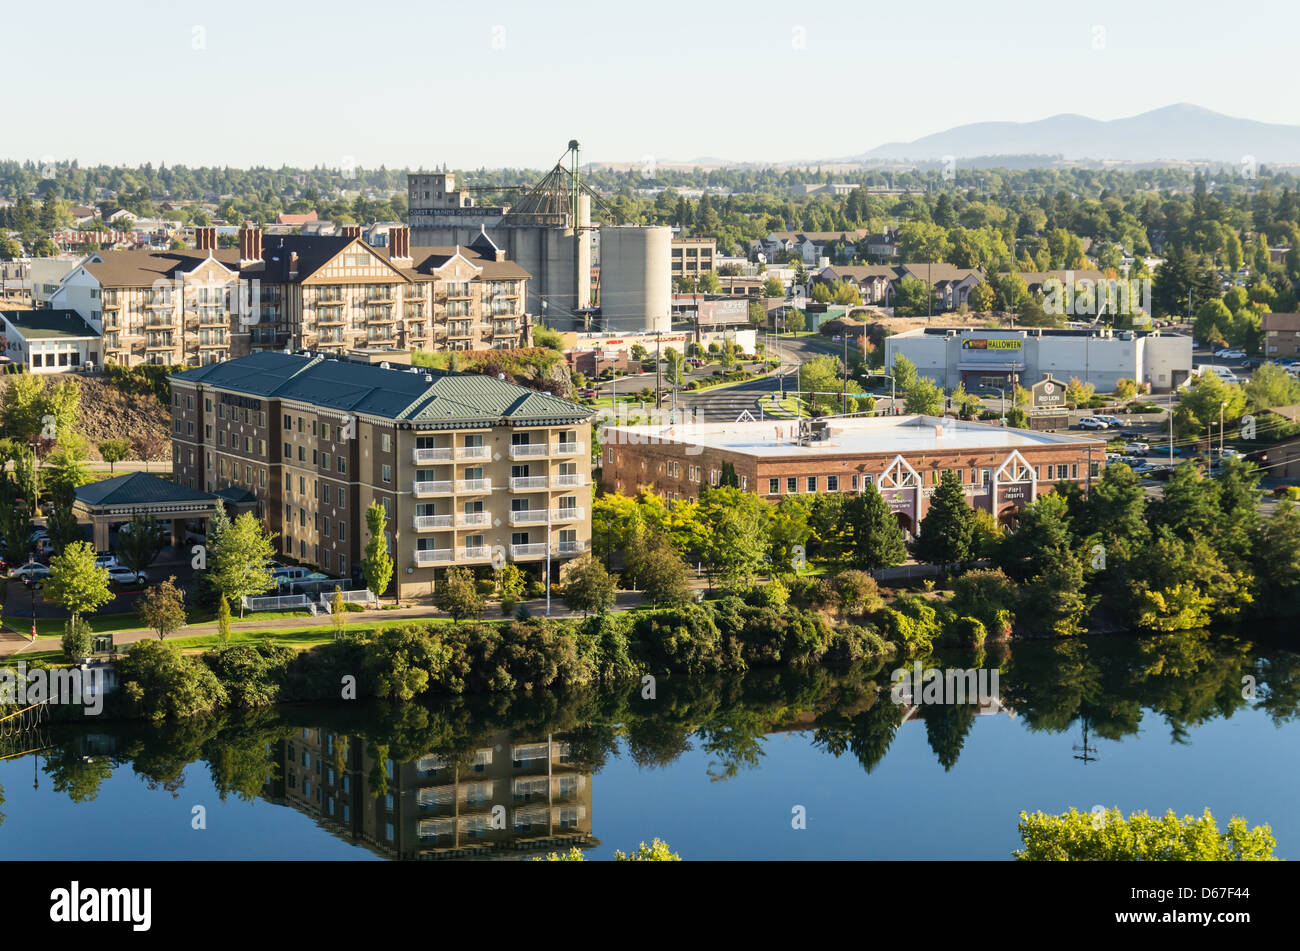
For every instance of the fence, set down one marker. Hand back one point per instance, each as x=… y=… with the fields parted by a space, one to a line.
x=275 y=603
x=363 y=596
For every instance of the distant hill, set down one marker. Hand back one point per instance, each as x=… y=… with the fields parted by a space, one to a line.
x=1180 y=132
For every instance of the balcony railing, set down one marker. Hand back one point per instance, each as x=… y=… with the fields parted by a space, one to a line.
x=569 y=448
x=422 y=489
x=533 y=550
x=571 y=513
x=473 y=452
x=431 y=455
x=572 y=548
x=433 y=556
x=477 y=553
x=428 y=523
x=473 y=519
x=529 y=450
x=529 y=517
x=568 y=480
x=474 y=485
x=525 y=483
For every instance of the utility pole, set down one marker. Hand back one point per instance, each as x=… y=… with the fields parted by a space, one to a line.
x=844 y=390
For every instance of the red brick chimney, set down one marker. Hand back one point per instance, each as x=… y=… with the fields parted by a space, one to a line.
x=399 y=243
x=205 y=238
x=351 y=231
x=250 y=243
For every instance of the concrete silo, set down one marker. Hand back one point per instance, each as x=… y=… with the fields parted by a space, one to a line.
x=635 y=278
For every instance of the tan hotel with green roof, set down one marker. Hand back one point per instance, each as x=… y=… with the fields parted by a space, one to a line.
x=472 y=470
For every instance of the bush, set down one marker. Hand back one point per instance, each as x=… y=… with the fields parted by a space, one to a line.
x=968 y=632
x=536 y=589
x=1110 y=837
x=77 y=640
x=858 y=592
x=912 y=623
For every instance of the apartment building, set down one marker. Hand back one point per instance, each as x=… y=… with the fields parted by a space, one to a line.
x=511 y=793
x=1281 y=335
x=691 y=257
x=471 y=470
x=327 y=293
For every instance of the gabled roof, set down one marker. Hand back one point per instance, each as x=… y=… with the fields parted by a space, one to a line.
x=47 y=324
x=314 y=252
x=1281 y=322
x=412 y=394
x=426 y=260
x=137 y=488
x=142 y=268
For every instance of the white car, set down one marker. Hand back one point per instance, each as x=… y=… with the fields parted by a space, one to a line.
x=1136 y=448
x=1231 y=354
x=30 y=569
x=121 y=575
x=105 y=561
x=1114 y=422
x=1092 y=422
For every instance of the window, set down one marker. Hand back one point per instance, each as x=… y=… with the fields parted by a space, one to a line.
x=986 y=476
x=1074 y=470
x=387 y=475
x=302 y=485
x=325 y=526
x=325 y=461
x=342 y=466
x=302 y=454
x=288 y=421
x=386 y=443
x=288 y=451
x=791 y=484
x=812 y=484
x=832 y=483
x=342 y=533
x=325 y=493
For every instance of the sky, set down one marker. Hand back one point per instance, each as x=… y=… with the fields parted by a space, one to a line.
x=508 y=84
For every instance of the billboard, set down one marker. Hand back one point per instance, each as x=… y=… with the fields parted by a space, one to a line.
x=991 y=343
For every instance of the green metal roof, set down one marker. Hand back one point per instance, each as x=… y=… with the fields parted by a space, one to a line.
x=138 y=488
x=414 y=394
x=48 y=324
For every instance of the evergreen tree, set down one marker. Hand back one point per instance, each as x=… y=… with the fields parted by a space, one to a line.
x=948 y=529
x=877 y=539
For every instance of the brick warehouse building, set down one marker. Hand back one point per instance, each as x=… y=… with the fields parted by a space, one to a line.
x=469 y=467
x=903 y=456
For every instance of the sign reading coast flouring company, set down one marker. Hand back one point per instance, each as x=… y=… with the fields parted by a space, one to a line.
x=1048 y=393
x=991 y=343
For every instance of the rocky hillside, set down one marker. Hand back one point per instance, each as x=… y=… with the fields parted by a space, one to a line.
x=108 y=413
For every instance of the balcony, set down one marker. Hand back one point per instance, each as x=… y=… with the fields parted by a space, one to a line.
x=431 y=455
x=433 y=556
x=527 y=483
x=426 y=489
x=382 y=294
x=569 y=448
x=575 y=547
x=568 y=481
x=534 y=450
x=473 y=452
x=533 y=550
x=478 y=553
x=570 y=513
x=429 y=523
x=529 y=517
x=473 y=519
x=473 y=485
x=159 y=320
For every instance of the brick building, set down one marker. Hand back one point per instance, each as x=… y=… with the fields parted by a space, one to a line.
x=903 y=456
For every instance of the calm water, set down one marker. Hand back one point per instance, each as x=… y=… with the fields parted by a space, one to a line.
x=716 y=769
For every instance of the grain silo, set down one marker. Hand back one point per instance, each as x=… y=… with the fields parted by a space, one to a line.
x=635 y=278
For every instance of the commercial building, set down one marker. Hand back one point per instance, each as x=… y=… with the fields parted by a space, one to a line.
x=1281 y=335
x=903 y=456
x=326 y=293
x=48 y=341
x=978 y=359
x=470 y=469
x=691 y=257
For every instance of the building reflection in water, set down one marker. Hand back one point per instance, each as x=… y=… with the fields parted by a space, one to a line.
x=508 y=796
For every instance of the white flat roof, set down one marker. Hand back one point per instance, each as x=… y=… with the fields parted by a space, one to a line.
x=855 y=435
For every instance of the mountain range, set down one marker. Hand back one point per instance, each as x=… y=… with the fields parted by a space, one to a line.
x=1180 y=132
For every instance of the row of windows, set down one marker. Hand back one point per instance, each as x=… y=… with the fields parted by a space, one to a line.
x=982 y=477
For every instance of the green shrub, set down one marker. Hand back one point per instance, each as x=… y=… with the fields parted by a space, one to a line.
x=77 y=640
x=968 y=631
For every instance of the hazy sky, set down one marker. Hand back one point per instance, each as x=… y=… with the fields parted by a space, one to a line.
x=509 y=83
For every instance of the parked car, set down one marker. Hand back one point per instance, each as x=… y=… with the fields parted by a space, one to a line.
x=1114 y=422
x=1231 y=355
x=1091 y=422
x=105 y=561
x=30 y=569
x=589 y=393
x=124 y=576
x=1136 y=448
x=44 y=547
